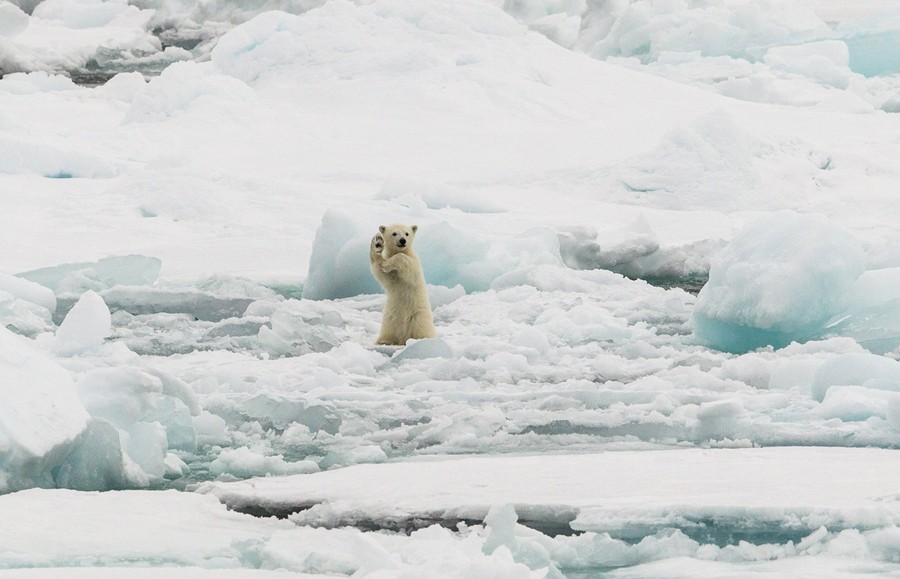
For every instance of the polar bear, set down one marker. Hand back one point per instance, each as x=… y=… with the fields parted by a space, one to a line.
x=407 y=312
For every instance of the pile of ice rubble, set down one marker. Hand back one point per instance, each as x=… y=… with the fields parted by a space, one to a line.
x=143 y=381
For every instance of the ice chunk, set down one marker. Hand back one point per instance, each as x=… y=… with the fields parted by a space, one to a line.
x=177 y=423
x=85 y=327
x=369 y=454
x=124 y=86
x=22 y=155
x=73 y=35
x=873 y=316
x=279 y=412
x=503 y=532
x=451 y=256
x=95 y=462
x=151 y=412
x=302 y=326
x=580 y=250
x=82 y=13
x=873 y=44
x=826 y=62
x=182 y=19
x=855 y=403
x=211 y=429
x=28 y=291
x=339 y=265
x=244 y=462
x=33 y=82
x=647 y=30
x=876 y=288
x=893 y=412
x=177 y=389
x=338 y=40
x=501 y=523
x=12 y=20
x=439 y=295
x=76 y=278
x=780 y=280
x=866 y=370
x=455 y=256
x=635 y=251
x=420 y=349
x=720 y=419
x=265 y=43
x=175 y=467
x=147 y=446
x=40 y=414
x=179 y=88
x=25 y=307
x=693 y=165
x=200 y=305
x=24 y=317
x=119 y=395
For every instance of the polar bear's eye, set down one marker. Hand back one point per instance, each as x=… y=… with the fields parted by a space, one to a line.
x=394 y=234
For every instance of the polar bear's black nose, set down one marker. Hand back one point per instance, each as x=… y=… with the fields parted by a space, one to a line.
x=402 y=242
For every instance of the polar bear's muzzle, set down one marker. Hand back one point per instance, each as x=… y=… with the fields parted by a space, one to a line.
x=401 y=242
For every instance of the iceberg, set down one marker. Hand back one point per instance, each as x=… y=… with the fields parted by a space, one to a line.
x=452 y=255
x=76 y=278
x=780 y=280
x=41 y=416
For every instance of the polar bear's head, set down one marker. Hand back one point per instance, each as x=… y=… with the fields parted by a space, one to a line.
x=398 y=237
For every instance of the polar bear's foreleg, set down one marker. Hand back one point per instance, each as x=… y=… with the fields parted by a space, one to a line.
x=376 y=259
x=402 y=266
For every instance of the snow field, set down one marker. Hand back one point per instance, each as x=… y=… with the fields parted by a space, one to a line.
x=167 y=227
x=627 y=494
x=834 y=521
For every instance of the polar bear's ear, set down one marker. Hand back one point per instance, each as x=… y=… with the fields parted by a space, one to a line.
x=415 y=228
x=381 y=228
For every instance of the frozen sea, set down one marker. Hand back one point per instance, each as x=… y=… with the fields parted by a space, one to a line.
x=662 y=247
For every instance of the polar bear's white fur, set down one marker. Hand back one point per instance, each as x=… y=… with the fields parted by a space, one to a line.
x=407 y=312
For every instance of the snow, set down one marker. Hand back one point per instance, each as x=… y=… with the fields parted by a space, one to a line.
x=614 y=492
x=169 y=529
x=190 y=194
